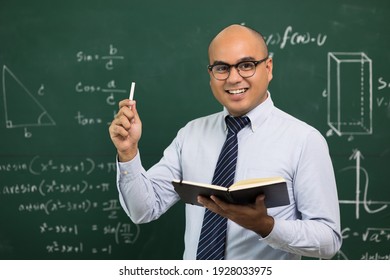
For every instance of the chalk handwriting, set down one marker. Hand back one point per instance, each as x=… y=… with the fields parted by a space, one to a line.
x=56 y=205
x=14 y=167
x=295 y=38
x=59 y=229
x=39 y=165
x=383 y=100
x=112 y=207
x=370 y=234
x=122 y=232
x=56 y=247
x=364 y=256
x=109 y=88
x=375 y=256
x=45 y=188
x=83 y=120
x=52 y=206
x=383 y=84
x=44 y=192
x=108 y=59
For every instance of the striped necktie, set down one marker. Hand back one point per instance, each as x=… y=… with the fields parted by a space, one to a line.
x=211 y=244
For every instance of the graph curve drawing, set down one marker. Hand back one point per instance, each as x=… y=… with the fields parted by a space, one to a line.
x=21 y=108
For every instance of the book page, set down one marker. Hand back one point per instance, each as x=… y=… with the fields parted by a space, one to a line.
x=254 y=182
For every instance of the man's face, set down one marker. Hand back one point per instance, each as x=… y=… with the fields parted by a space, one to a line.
x=240 y=95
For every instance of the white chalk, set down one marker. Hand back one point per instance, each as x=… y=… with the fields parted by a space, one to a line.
x=131 y=97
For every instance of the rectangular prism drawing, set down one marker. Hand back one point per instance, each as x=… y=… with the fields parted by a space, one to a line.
x=350 y=93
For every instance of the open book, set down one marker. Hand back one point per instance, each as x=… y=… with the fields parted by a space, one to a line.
x=242 y=192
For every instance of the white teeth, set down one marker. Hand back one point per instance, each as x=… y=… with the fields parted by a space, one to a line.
x=236 y=91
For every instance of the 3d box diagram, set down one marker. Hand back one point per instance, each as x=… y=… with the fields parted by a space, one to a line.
x=350 y=93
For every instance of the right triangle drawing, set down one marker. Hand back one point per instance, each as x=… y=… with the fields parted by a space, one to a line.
x=21 y=108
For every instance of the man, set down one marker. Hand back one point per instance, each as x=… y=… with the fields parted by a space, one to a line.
x=272 y=144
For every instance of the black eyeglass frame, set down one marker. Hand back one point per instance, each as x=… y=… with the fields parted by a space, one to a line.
x=210 y=67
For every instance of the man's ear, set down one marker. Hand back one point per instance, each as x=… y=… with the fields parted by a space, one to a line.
x=269 y=66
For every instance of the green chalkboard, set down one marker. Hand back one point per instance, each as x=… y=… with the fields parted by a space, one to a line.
x=66 y=64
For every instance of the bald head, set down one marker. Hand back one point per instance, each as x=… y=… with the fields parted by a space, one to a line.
x=241 y=33
x=243 y=88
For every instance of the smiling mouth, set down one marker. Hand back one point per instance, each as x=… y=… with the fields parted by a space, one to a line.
x=236 y=91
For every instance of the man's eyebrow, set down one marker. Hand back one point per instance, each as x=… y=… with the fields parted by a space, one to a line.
x=219 y=62
x=246 y=58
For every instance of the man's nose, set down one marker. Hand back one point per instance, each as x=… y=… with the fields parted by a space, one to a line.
x=234 y=75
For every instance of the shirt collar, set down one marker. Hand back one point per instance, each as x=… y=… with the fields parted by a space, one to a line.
x=258 y=115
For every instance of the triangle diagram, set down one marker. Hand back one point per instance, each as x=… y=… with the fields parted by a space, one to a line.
x=21 y=108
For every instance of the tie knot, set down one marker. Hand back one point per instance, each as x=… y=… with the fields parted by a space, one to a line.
x=235 y=124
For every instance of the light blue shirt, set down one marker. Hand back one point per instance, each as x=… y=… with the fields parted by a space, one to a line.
x=275 y=144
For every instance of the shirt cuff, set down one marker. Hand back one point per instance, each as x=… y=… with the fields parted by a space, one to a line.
x=130 y=168
x=279 y=235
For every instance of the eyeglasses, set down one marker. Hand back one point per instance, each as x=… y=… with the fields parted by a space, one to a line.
x=246 y=69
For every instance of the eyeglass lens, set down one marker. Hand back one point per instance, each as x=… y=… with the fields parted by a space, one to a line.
x=246 y=69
